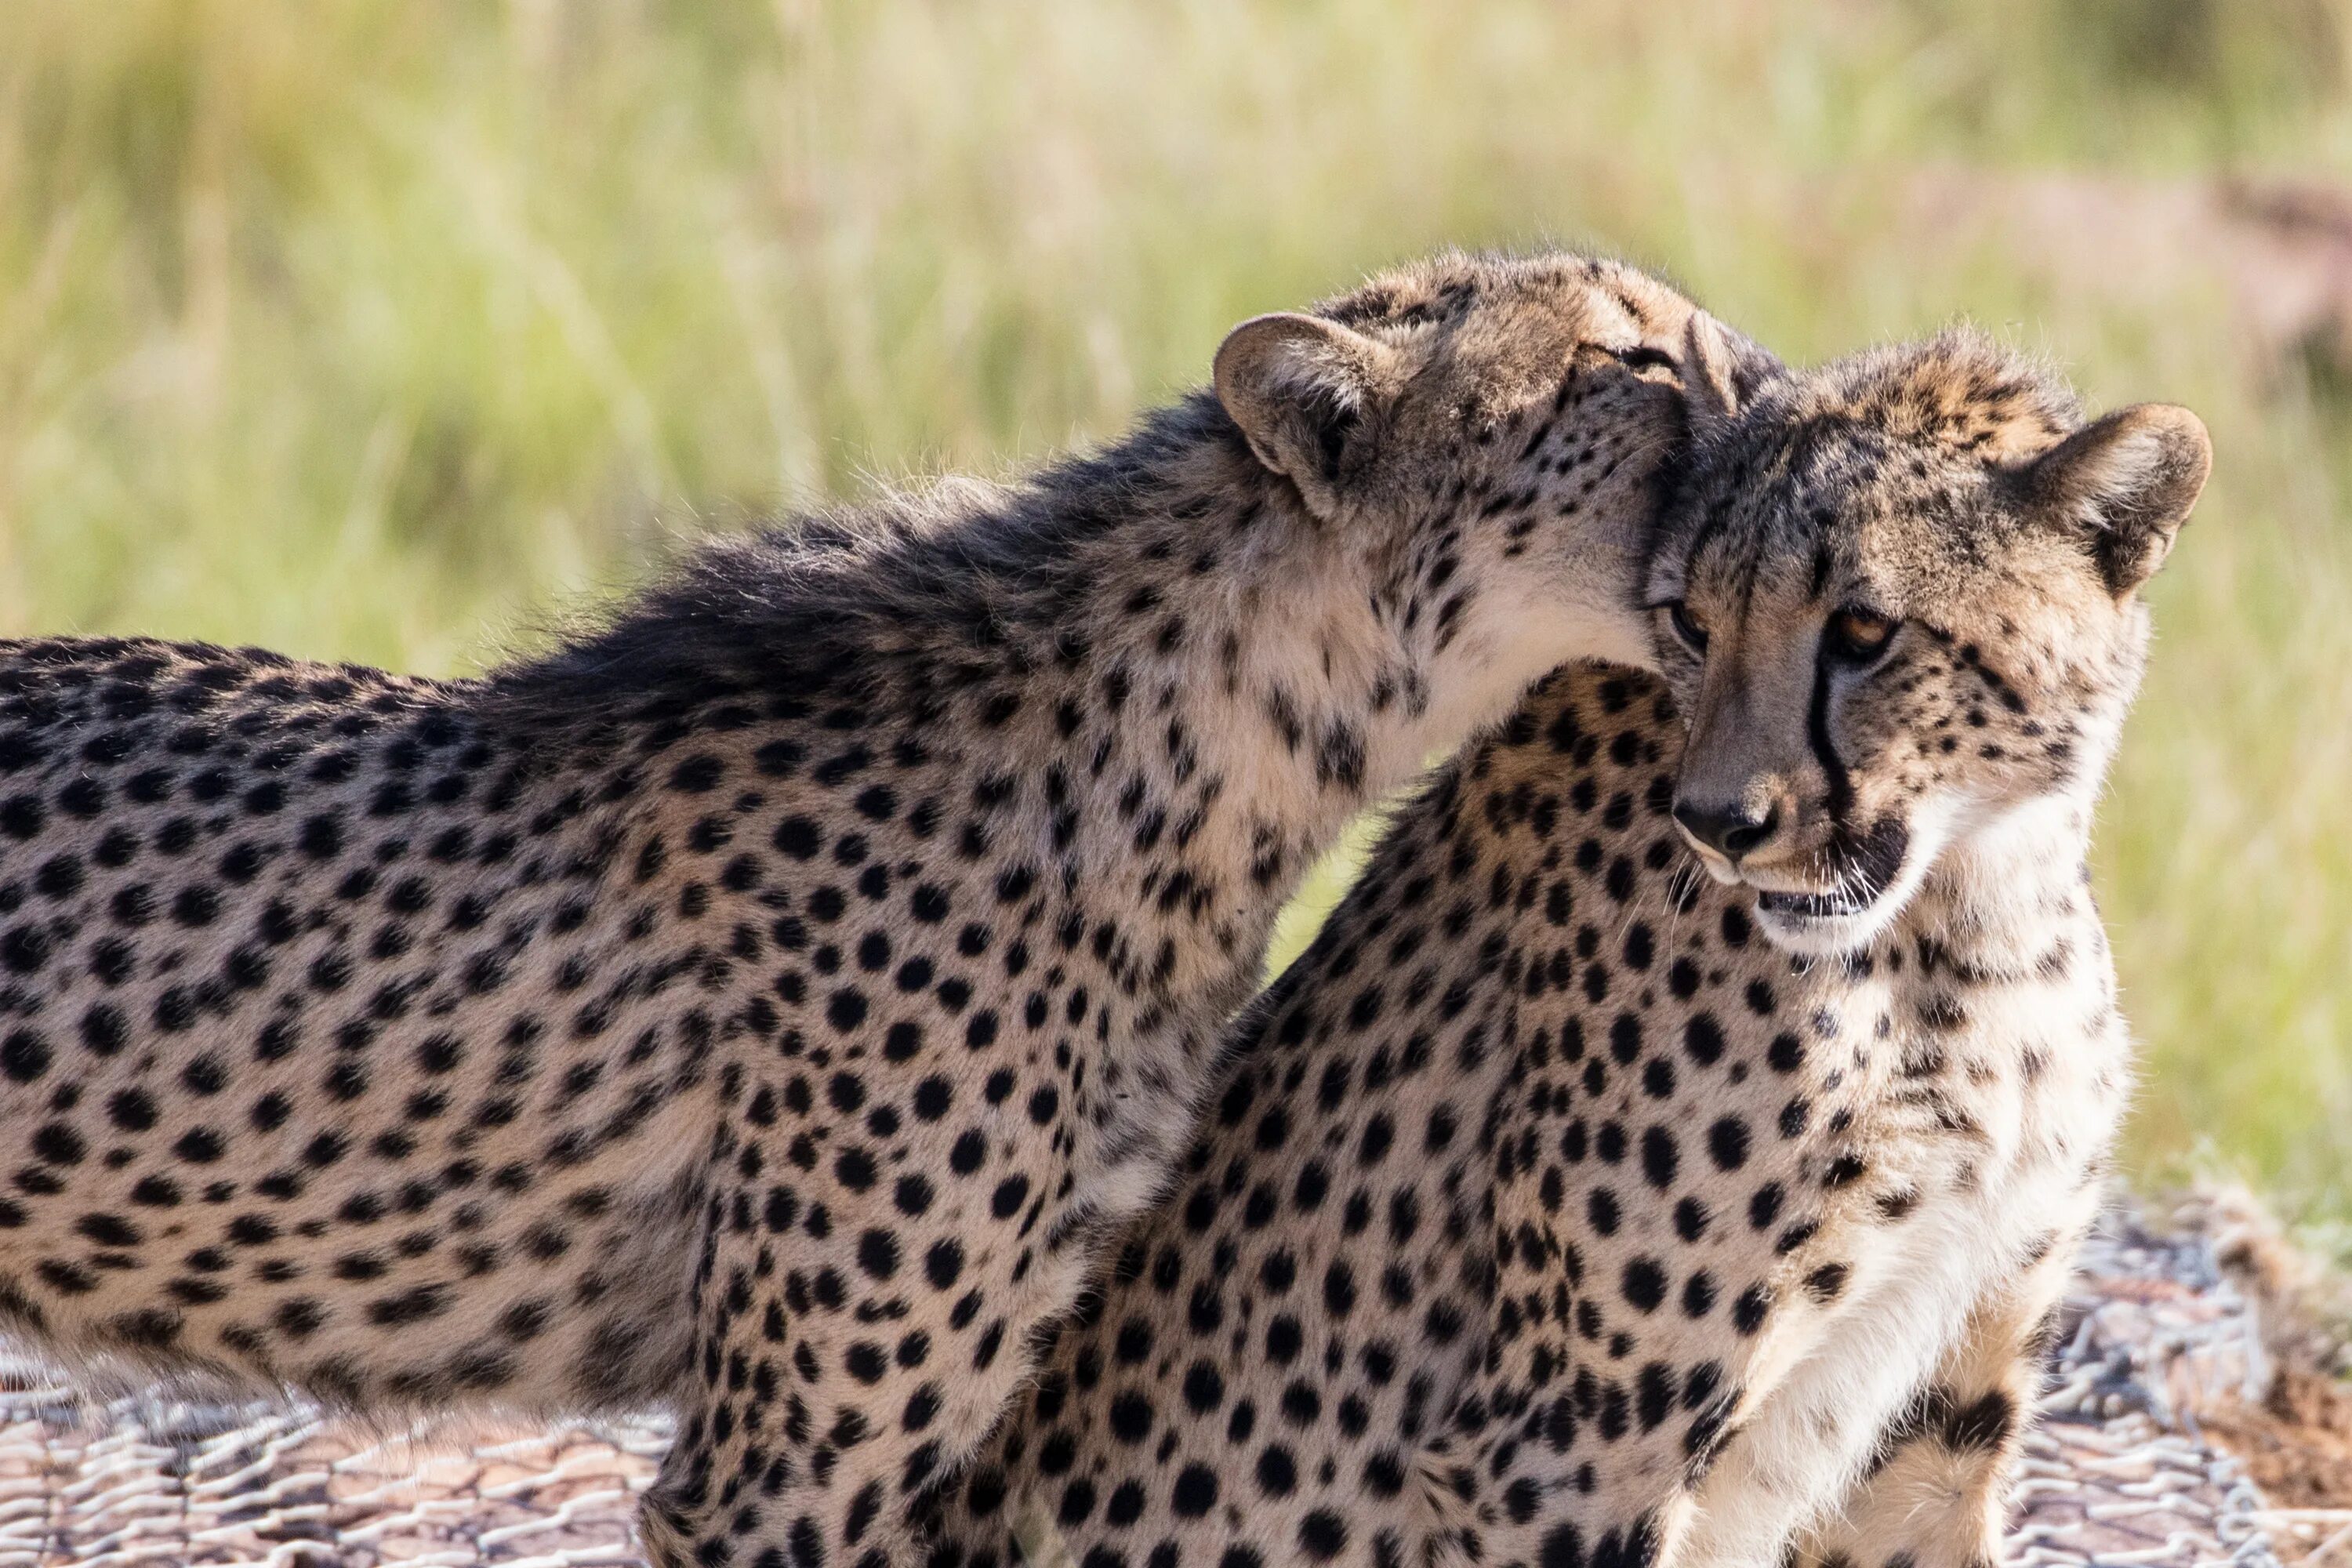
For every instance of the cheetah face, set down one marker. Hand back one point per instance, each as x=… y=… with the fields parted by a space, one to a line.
x=1494 y=435
x=1899 y=603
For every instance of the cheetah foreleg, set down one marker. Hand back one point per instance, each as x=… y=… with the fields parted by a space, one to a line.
x=1936 y=1493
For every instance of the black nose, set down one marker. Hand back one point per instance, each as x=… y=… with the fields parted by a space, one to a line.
x=1731 y=830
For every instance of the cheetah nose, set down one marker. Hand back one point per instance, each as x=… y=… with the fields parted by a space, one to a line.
x=1730 y=830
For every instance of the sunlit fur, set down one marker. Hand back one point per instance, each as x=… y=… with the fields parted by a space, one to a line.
x=761 y=1004
x=1551 y=1215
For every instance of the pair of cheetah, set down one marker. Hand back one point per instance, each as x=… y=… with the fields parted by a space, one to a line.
x=780 y=1001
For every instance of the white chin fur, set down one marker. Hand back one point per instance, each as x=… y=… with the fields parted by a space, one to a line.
x=1832 y=936
x=1828 y=936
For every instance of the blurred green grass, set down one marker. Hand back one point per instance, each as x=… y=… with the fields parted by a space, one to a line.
x=370 y=330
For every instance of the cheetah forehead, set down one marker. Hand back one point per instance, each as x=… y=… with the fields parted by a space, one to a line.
x=1895 y=455
x=1958 y=395
x=1448 y=292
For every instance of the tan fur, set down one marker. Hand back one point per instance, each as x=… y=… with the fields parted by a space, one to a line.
x=764 y=1004
x=1553 y=1215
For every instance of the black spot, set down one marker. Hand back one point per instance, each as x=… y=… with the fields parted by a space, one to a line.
x=1321 y=1535
x=56 y=1143
x=877 y=1254
x=1563 y=1547
x=1196 y=1492
x=799 y=836
x=1644 y=1284
x=24 y=1055
x=1702 y=1039
x=1981 y=1425
x=1131 y=1417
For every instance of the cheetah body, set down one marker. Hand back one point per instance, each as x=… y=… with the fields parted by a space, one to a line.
x=1546 y=1194
x=1555 y=1212
x=764 y=1004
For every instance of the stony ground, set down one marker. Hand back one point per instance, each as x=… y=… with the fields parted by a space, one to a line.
x=2193 y=1420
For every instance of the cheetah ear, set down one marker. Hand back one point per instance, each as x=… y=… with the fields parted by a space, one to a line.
x=1722 y=370
x=2125 y=483
x=1304 y=392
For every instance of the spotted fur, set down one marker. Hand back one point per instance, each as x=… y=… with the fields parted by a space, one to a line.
x=1561 y=1210
x=763 y=1003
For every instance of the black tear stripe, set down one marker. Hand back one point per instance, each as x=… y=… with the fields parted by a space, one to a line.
x=1878 y=854
x=1817 y=731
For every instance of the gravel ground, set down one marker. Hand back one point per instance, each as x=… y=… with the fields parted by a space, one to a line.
x=2180 y=1331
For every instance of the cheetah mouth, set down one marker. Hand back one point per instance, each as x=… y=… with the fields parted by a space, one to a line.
x=1862 y=869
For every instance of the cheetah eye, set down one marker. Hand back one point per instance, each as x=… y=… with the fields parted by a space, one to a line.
x=1641 y=356
x=1857 y=635
x=1684 y=626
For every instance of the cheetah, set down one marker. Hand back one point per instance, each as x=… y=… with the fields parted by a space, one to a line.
x=1673 y=1150
x=767 y=1002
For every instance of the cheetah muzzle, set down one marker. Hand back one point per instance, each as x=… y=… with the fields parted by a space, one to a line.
x=1862 y=869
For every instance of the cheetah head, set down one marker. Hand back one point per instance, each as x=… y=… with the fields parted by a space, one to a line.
x=1494 y=434
x=1898 y=600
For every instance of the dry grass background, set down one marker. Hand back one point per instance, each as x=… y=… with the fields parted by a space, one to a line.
x=373 y=330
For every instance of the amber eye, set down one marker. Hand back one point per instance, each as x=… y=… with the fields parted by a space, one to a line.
x=1679 y=619
x=1857 y=636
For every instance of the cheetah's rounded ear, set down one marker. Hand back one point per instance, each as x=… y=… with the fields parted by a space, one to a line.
x=2127 y=482
x=1303 y=391
x=1722 y=370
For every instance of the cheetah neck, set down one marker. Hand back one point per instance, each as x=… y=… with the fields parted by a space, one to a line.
x=1215 y=682
x=1999 y=899
x=2002 y=973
